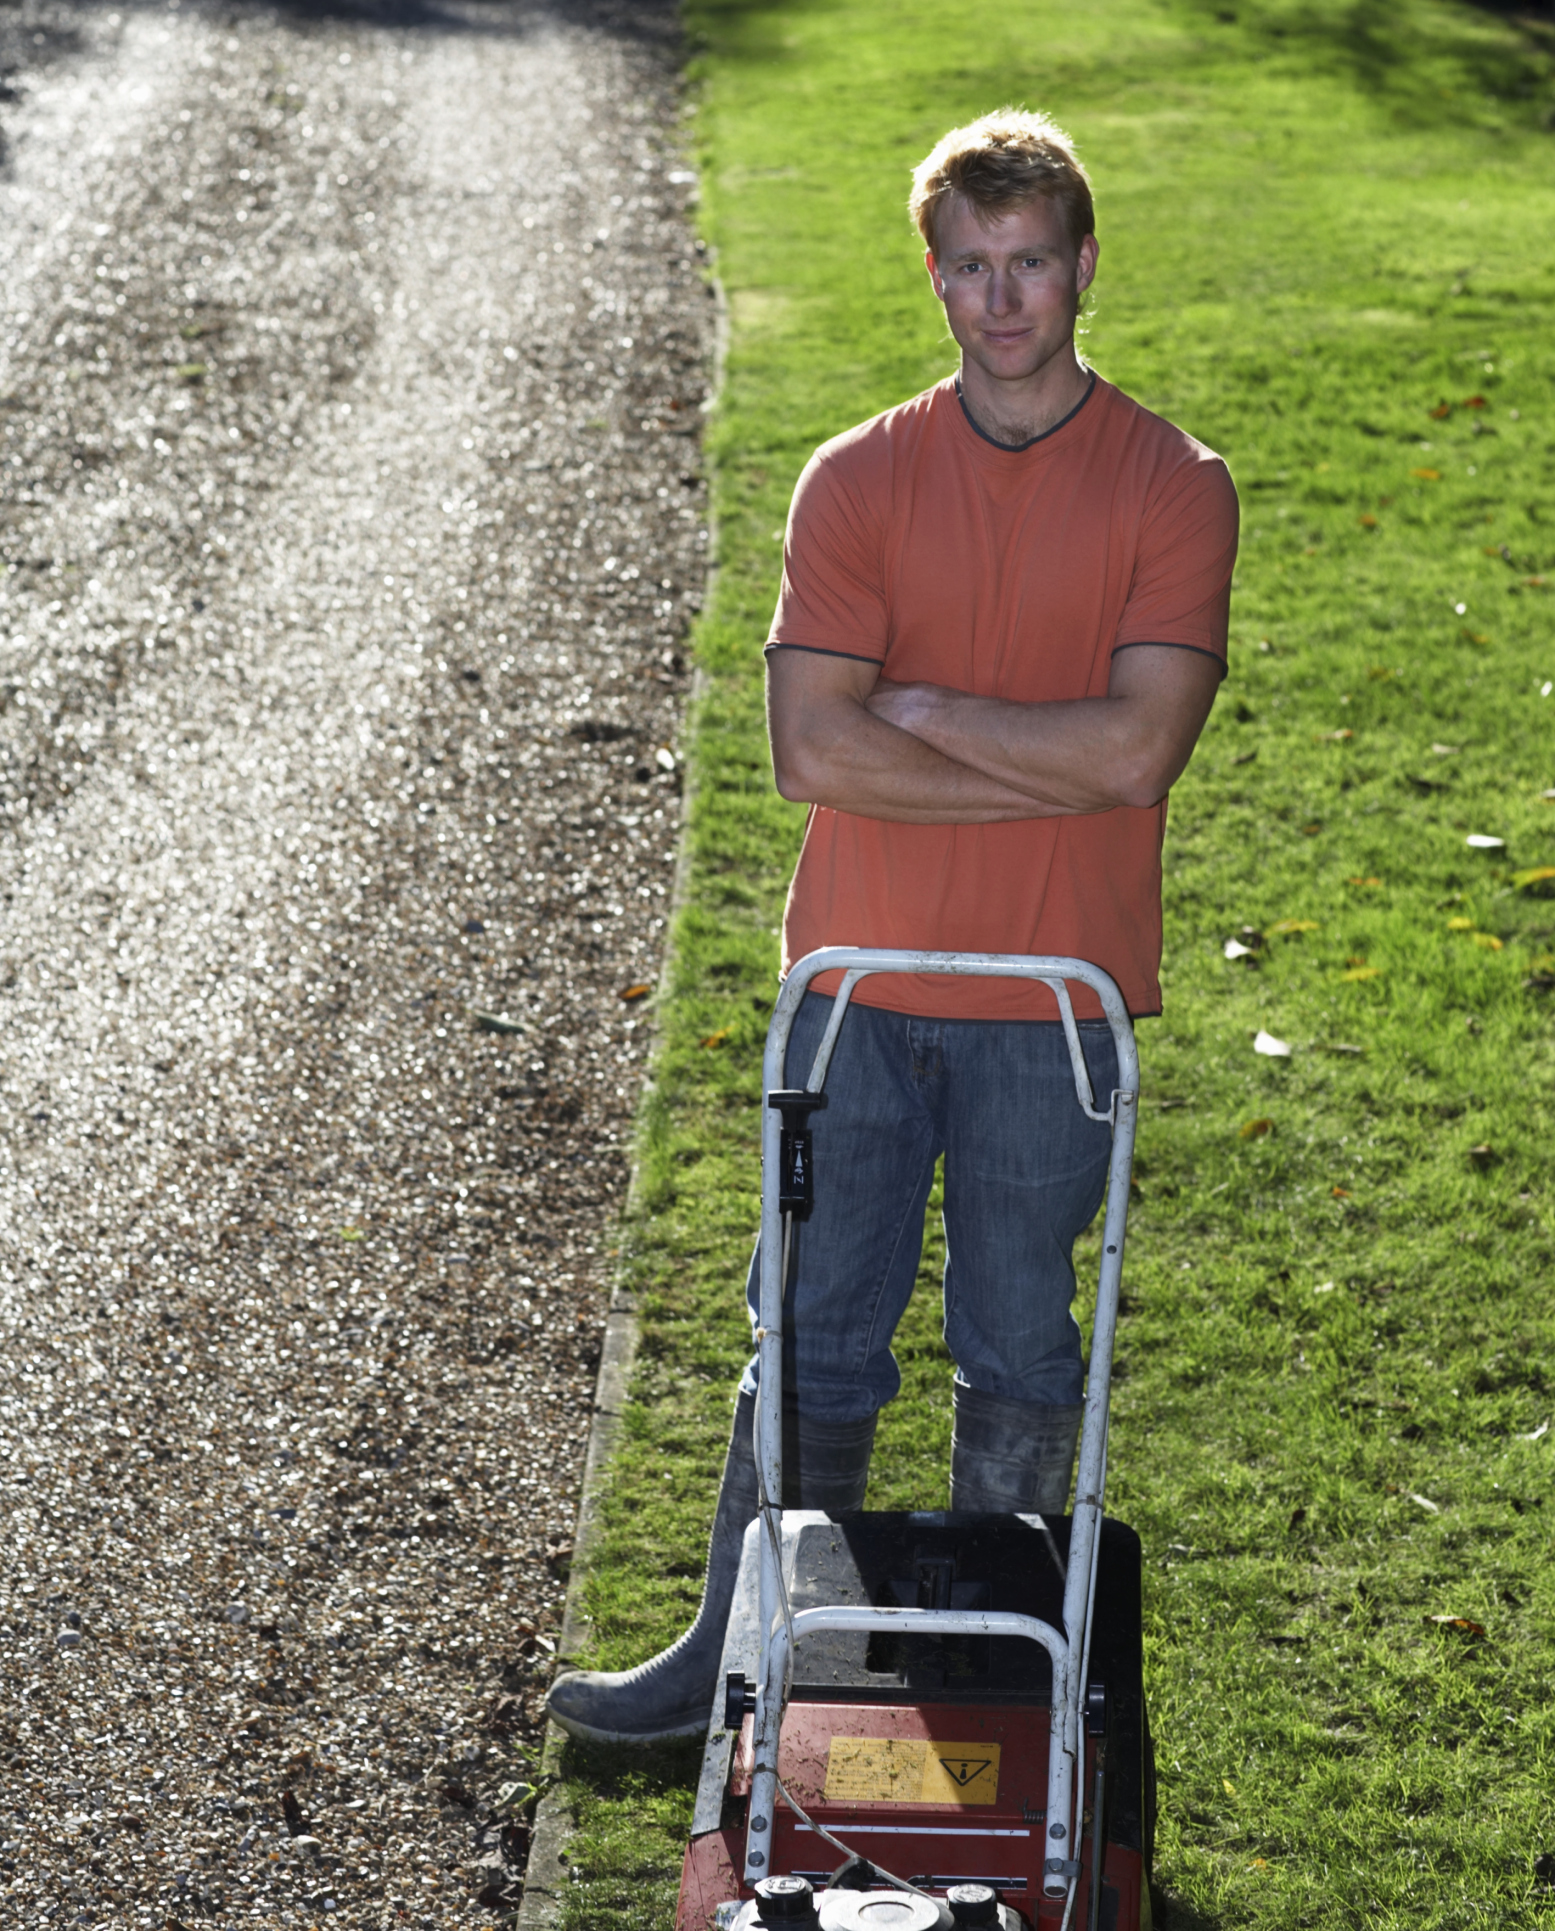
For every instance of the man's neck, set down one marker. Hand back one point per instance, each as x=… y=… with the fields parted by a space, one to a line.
x=1014 y=413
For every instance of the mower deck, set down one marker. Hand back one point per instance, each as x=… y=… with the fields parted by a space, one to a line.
x=930 y=1754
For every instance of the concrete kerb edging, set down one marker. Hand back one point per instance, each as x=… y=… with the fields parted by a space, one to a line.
x=545 y=1877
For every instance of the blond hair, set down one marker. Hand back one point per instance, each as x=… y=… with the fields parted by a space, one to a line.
x=1000 y=162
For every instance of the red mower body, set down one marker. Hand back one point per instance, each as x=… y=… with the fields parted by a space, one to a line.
x=930 y=1758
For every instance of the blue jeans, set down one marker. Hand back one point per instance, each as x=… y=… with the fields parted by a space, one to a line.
x=1025 y=1172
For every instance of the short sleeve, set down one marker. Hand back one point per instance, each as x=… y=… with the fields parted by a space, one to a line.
x=1181 y=589
x=833 y=596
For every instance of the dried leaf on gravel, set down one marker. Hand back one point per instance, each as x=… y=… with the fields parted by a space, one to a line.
x=630 y=994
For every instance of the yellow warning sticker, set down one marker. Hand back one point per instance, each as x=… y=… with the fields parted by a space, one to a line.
x=910 y=1770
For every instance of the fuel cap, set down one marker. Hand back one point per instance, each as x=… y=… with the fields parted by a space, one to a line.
x=973 y=1903
x=782 y=1899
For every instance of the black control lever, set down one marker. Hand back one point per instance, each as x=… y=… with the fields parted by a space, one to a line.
x=796 y=1177
x=739 y=1699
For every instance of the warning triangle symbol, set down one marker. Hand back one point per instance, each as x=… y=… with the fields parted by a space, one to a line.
x=963 y=1770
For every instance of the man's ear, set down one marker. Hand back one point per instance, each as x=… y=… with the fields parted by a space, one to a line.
x=1085 y=265
x=934 y=276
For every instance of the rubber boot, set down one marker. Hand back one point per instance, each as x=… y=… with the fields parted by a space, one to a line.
x=672 y=1694
x=1011 y=1457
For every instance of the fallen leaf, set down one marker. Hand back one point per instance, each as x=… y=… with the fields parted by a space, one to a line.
x=1473 y=636
x=1424 y=1501
x=717 y=1038
x=1368 y=521
x=1548 y=796
x=1460 y=925
x=1258 y=1864
x=1445 y=750
x=1234 y=949
x=1460 y=1623
x=1230 y=1786
x=1536 y=875
x=628 y=994
x=1483 y=1156
x=1536 y=583
x=1269 y=1046
x=1427 y=475
x=1339 y=1046
x=1310 y=831
x=1439 y=414
x=1341 y=1193
x=1332 y=737
x=496 y=1022
x=1486 y=941
x=1255 y=1129
x=1481 y=841
x=1244 y=757
x=1376 y=672
x=1287 y=927
x=1538 y=1434
x=1359 y=972
x=1363 y=881
x=350 y=1233
x=1474 y=402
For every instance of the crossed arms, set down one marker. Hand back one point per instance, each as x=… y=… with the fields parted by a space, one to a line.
x=921 y=754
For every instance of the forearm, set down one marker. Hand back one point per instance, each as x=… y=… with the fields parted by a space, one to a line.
x=850 y=760
x=1083 y=755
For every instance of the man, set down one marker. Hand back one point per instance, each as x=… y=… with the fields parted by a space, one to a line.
x=1000 y=631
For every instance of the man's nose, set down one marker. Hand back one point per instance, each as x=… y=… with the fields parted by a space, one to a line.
x=1003 y=295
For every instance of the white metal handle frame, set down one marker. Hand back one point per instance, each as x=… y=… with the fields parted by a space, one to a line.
x=1069 y=1651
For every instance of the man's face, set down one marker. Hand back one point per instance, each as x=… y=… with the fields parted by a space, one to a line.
x=1011 y=289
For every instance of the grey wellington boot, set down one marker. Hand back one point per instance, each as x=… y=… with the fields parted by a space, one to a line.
x=671 y=1695
x=1011 y=1456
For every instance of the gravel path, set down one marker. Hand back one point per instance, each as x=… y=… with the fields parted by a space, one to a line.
x=350 y=521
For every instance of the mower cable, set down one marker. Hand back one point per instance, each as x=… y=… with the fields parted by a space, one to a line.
x=771 y=1527
x=847 y=1850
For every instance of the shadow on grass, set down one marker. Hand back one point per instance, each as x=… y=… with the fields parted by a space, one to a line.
x=1413 y=55
x=633 y=1818
x=1172 y=1913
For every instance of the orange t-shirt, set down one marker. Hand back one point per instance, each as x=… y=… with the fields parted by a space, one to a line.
x=916 y=543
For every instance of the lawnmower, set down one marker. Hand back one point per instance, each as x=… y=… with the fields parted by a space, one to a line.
x=928 y=1719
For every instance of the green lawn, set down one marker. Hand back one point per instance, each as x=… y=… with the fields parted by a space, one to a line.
x=1326 y=250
